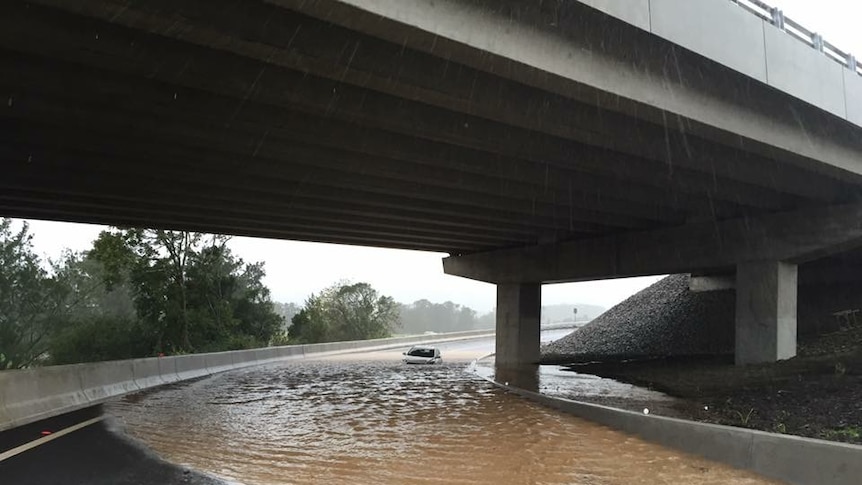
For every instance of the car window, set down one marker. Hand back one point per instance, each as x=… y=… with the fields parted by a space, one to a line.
x=421 y=352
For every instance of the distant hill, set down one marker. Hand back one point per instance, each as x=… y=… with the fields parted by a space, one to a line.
x=564 y=312
x=425 y=316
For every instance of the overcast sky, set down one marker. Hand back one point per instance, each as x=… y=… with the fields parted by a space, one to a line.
x=836 y=20
x=296 y=269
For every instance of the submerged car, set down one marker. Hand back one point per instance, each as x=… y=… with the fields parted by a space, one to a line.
x=420 y=354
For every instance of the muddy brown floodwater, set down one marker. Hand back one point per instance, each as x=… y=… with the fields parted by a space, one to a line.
x=367 y=418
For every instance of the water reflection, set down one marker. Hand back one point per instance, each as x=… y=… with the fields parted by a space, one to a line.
x=556 y=381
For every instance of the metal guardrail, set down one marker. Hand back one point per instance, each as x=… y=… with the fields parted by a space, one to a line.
x=776 y=17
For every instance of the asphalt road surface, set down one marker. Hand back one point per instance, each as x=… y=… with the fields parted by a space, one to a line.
x=93 y=455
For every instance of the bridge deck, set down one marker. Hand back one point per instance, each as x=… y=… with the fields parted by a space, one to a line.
x=258 y=119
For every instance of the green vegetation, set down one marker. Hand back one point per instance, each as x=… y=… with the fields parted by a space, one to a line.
x=846 y=433
x=136 y=293
x=345 y=311
x=744 y=418
x=30 y=302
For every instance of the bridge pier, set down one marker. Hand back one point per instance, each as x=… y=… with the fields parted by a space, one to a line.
x=766 y=294
x=763 y=249
x=519 y=308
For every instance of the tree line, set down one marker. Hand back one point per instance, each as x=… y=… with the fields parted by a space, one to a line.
x=149 y=292
x=135 y=293
x=425 y=316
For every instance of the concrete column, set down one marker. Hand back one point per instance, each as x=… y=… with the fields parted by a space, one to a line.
x=519 y=307
x=765 y=312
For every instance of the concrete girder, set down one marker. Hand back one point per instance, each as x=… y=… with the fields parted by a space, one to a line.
x=333 y=200
x=607 y=194
x=251 y=81
x=143 y=192
x=232 y=211
x=277 y=161
x=596 y=168
x=104 y=216
x=304 y=224
x=383 y=214
x=793 y=237
x=89 y=172
x=580 y=53
x=296 y=42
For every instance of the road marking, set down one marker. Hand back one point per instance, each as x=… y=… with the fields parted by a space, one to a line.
x=41 y=441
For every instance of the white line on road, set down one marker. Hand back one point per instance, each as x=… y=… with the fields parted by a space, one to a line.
x=41 y=441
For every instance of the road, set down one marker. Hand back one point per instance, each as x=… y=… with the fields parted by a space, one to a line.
x=348 y=419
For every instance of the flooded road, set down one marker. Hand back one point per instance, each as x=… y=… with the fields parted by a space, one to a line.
x=367 y=418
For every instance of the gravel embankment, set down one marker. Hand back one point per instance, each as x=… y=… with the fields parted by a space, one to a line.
x=665 y=319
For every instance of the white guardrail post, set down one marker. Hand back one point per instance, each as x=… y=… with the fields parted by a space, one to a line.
x=776 y=17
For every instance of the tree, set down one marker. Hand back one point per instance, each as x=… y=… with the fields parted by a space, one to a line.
x=309 y=325
x=28 y=300
x=100 y=320
x=345 y=311
x=190 y=293
x=136 y=293
x=253 y=308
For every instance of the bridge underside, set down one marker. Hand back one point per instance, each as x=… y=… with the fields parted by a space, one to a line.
x=329 y=122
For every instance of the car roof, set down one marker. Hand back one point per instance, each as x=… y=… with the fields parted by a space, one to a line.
x=424 y=347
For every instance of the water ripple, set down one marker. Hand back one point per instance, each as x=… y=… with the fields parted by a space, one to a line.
x=343 y=422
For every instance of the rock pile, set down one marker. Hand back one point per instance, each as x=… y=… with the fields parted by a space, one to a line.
x=665 y=319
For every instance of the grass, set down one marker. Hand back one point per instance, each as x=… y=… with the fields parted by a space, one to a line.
x=842 y=434
x=744 y=418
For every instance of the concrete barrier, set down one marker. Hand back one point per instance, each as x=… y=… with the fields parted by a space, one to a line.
x=190 y=366
x=243 y=357
x=147 y=373
x=5 y=417
x=793 y=459
x=219 y=362
x=104 y=380
x=168 y=369
x=34 y=394
x=290 y=352
x=266 y=355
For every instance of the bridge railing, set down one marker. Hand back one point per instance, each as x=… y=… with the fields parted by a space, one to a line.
x=814 y=40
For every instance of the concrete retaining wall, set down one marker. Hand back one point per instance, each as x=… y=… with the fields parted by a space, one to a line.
x=30 y=395
x=793 y=459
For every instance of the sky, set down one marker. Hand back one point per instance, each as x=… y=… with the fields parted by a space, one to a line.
x=296 y=269
x=836 y=20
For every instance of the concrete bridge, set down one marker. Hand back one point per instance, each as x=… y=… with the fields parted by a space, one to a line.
x=533 y=141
